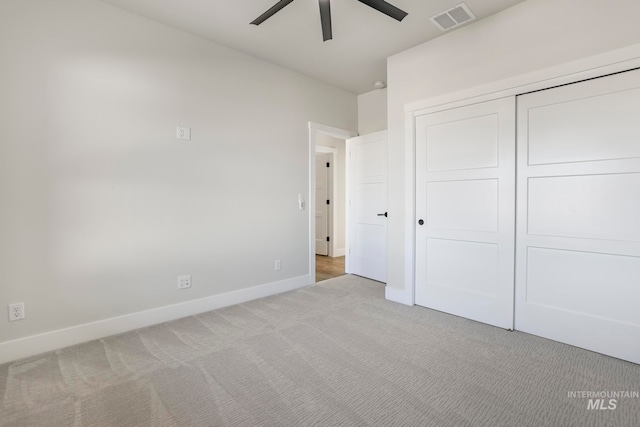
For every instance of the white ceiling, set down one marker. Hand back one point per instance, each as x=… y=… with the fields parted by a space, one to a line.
x=362 y=37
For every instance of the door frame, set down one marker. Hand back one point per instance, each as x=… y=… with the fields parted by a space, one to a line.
x=314 y=129
x=617 y=61
x=332 y=212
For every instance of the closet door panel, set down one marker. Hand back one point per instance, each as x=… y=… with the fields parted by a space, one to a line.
x=578 y=215
x=465 y=201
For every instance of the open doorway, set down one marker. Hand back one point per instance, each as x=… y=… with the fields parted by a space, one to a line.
x=327 y=201
x=330 y=236
x=327 y=184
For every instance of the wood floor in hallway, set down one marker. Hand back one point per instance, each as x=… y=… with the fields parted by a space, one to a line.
x=328 y=268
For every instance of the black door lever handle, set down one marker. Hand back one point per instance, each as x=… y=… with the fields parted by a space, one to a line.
x=384 y=214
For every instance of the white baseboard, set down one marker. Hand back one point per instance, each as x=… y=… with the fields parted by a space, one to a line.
x=339 y=252
x=48 y=341
x=402 y=296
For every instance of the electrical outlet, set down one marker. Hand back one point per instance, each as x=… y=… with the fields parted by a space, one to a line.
x=276 y=266
x=184 y=282
x=16 y=311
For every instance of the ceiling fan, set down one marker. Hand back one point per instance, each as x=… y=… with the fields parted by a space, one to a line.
x=325 y=13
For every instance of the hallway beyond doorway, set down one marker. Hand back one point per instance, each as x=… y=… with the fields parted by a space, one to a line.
x=328 y=268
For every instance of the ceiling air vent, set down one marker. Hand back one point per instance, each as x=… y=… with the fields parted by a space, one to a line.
x=453 y=17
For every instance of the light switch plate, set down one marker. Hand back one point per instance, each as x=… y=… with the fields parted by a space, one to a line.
x=184 y=133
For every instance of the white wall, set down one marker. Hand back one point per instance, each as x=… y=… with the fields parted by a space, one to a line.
x=372 y=111
x=340 y=203
x=101 y=207
x=530 y=36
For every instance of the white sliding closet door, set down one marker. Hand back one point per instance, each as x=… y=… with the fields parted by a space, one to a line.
x=465 y=201
x=578 y=237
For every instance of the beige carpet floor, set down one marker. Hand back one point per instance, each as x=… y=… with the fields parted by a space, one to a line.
x=336 y=354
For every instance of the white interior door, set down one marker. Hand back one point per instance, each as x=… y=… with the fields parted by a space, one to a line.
x=578 y=250
x=322 y=203
x=465 y=199
x=367 y=176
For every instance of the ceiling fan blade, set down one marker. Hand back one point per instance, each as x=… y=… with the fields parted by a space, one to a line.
x=272 y=11
x=386 y=8
x=325 y=19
